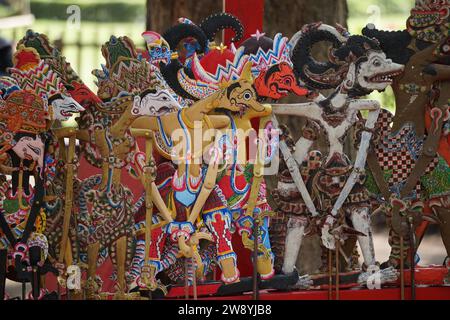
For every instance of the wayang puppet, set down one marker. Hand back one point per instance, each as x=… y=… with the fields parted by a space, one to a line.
x=205 y=73
x=333 y=199
x=187 y=120
x=23 y=246
x=410 y=166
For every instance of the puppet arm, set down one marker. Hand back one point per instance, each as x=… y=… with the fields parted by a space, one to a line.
x=145 y=122
x=436 y=72
x=83 y=135
x=308 y=110
x=370 y=105
x=219 y=121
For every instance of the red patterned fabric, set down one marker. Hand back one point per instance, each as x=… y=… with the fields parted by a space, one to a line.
x=394 y=150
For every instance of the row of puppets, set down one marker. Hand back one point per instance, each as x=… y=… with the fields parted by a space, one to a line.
x=194 y=124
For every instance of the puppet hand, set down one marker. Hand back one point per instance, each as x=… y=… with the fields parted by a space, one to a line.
x=327 y=238
x=178 y=229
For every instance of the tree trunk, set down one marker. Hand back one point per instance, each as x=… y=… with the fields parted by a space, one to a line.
x=289 y=16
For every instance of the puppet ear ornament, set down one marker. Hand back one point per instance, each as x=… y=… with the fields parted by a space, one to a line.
x=224 y=84
x=247 y=72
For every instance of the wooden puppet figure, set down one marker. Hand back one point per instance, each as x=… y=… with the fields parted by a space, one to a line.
x=43 y=77
x=23 y=122
x=357 y=67
x=274 y=79
x=177 y=187
x=129 y=88
x=411 y=165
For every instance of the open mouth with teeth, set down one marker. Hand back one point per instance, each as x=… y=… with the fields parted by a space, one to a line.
x=242 y=108
x=67 y=114
x=280 y=90
x=386 y=77
x=160 y=111
x=69 y=110
x=237 y=109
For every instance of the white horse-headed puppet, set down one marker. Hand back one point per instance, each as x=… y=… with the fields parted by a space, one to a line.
x=357 y=67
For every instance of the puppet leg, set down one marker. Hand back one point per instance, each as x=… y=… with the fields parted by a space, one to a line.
x=92 y=253
x=361 y=222
x=444 y=217
x=138 y=261
x=244 y=225
x=219 y=224
x=394 y=242
x=121 y=244
x=265 y=259
x=294 y=236
x=3 y=261
x=157 y=244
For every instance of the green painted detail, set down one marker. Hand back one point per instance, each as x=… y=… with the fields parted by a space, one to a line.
x=437 y=182
x=370 y=183
x=248 y=172
x=12 y=206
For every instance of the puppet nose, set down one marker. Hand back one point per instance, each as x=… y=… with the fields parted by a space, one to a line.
x=300 y=91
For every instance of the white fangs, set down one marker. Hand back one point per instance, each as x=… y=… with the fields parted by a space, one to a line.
x=385 y=77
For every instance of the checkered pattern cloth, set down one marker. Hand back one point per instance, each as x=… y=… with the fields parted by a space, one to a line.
x=398 y=151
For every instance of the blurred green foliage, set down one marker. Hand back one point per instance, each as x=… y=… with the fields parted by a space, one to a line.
x=11 y=7
x=386 y=15
x=359 y=7
x=98 y=11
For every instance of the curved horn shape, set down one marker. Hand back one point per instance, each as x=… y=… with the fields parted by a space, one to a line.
x=201 y=73
x=393 y=43
x=324 y=27
x=177 y=33
x=221 y=21
x=170 y=74
x=319 y=75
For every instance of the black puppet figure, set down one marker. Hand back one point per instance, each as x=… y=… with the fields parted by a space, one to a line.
x=23 y=246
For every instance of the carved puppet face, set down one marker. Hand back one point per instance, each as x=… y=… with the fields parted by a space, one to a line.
x=30 y=148
x=277 y=82
x=241 y=97
x=158 y=48
x=64 y=107
x=154 y=103
x=377 y=72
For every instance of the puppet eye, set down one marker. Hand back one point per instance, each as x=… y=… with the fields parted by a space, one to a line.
x=376 y=63
x=247 y=95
